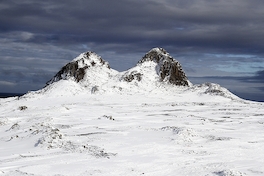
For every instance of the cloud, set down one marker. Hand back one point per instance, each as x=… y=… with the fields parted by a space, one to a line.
x=7 y=83
x=212 y=25
x=259 y=76
x=261 y=89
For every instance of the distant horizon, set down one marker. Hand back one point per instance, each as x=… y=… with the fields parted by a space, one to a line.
x=10 y=94
x=13 y=94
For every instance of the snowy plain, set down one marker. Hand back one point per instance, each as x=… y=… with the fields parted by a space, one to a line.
x=113 y=127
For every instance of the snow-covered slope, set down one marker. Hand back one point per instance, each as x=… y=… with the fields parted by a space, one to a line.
x=129 y=123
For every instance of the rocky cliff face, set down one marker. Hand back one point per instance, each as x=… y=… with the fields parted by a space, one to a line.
x=168 y=68
x=77 y=68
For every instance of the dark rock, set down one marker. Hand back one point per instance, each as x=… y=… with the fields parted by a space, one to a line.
x=94 y=89
x=132 y=76
x=168 y=68
x=79 y=74
x=69 y=70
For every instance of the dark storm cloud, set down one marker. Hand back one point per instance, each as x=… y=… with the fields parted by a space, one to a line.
x=257 y=78
x=260 y=75
x=12 y=73
x=234 y=25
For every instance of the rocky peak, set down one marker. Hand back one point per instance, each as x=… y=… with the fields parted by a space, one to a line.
x=168 y=68
x=155 y=55
x=76 y=69
x=90 y=69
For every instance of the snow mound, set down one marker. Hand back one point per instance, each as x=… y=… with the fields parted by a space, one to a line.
x=214 y=90
x=57 y=89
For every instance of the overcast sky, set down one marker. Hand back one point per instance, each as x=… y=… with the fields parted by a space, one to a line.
x=215 y=41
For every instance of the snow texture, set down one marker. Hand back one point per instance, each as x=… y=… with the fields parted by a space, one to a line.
x=129 y=123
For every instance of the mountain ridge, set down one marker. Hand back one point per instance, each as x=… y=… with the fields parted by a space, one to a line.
x=167 y=68
x=155 y=73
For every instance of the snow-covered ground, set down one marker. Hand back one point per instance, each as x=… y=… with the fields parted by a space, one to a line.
x=168 y=130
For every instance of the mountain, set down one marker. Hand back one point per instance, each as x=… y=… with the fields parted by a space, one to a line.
x=148 y=120
x=79 y=68
x=155 y=72
x=167 y=68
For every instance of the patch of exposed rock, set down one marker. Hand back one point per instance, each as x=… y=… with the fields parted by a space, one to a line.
x=77 y=68
x=168 y=68
x=134 y=75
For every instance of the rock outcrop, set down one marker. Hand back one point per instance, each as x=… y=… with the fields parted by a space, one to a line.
x=132 y=76
x=168 y=68
x=77 y=68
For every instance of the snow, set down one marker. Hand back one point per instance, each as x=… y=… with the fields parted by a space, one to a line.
x=105 y=125
x=160 y=51
x=65 y=129
x=85 y=59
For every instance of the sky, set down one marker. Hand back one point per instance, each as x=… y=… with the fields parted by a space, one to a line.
x=215 y=41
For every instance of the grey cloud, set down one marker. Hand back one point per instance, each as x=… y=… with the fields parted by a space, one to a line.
x=257 y=78
x=216 y=25
x=12 y=73
x=261 y=89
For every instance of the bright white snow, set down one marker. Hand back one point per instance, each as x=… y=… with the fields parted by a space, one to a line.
x=64 y=129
